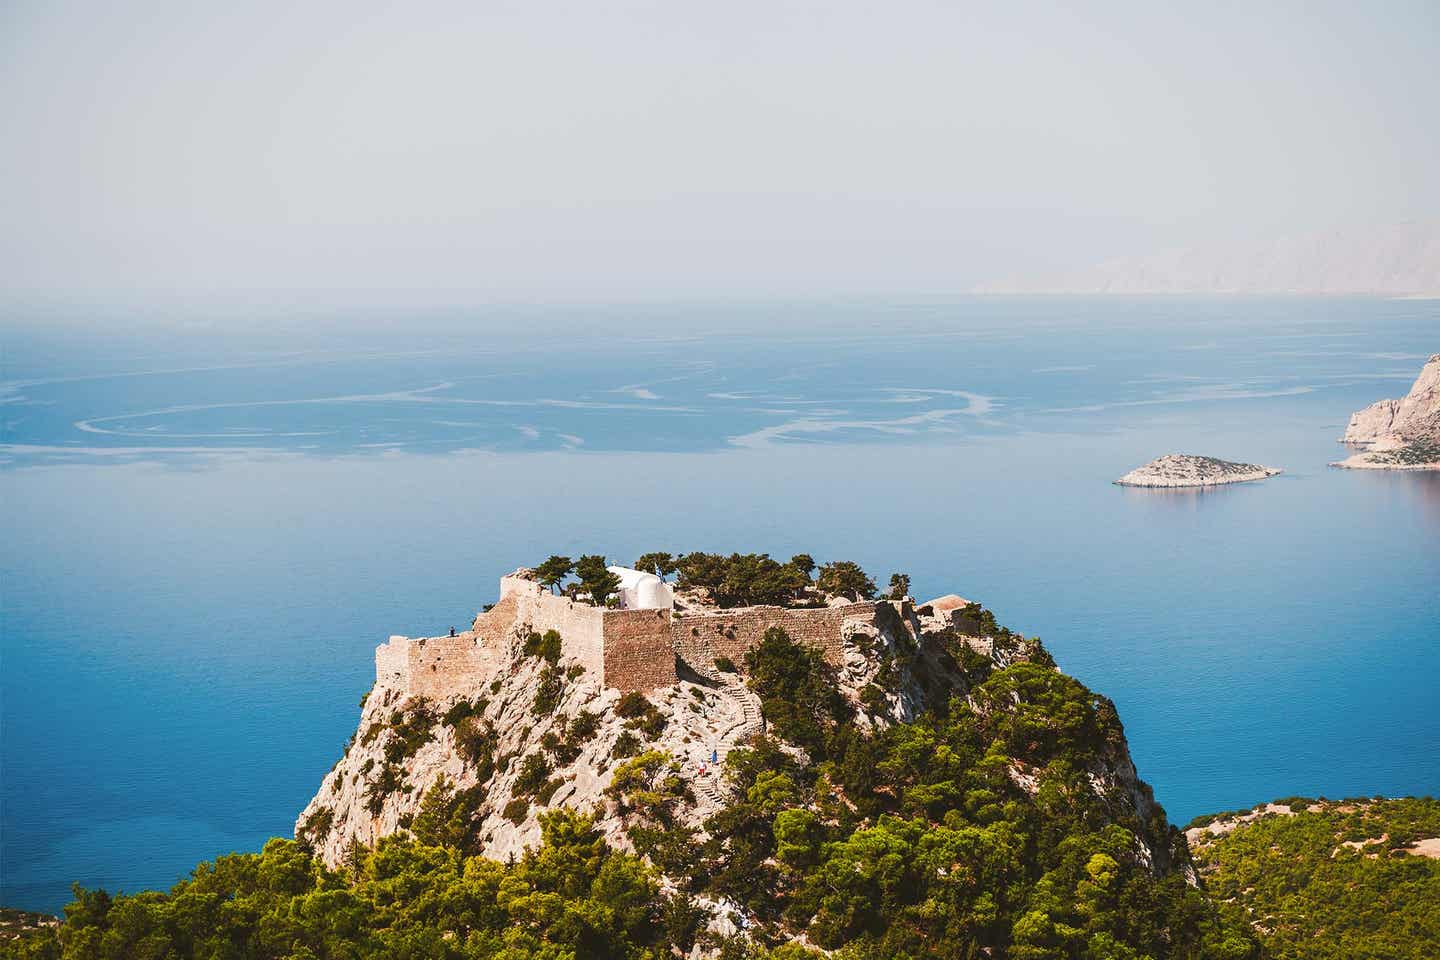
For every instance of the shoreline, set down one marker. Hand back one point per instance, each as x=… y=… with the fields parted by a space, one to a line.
x=1169 y=483
x=1358 y=462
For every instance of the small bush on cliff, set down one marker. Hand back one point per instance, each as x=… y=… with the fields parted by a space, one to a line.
x=391 y=780
x=462 y=710
x=548 y=691
x=725 y=665
x=543 y=645
x=475 y=741
x=534 y=770
x=631 y=705
x=648 y=786
x=626 y=745
x=516 y=810
x=410 y=730
x=582 y=726
x=317 y=826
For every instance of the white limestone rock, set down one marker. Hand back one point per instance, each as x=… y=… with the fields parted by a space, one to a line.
x=1399 y=434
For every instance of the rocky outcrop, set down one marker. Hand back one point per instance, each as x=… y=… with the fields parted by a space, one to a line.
x=534 y=729
x=1399 y=434
x=1186 y=470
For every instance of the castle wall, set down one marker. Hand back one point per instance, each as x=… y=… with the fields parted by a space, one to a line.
x=439 y=666
x=392 y=663
x=637 y=650
x=581 y=627
x=729 y=633
x=625 y=649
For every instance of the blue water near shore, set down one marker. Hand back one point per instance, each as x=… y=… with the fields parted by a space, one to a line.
x=207 y=533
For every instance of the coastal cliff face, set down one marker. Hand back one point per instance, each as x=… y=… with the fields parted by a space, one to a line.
x=1400 y=434
x=536 y=730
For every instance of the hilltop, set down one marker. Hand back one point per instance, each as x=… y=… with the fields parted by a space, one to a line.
x=805 y=768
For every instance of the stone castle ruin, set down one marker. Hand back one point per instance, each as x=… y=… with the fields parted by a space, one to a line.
x=631 y=647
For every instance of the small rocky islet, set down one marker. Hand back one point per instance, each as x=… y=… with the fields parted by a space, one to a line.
x=1189 y=470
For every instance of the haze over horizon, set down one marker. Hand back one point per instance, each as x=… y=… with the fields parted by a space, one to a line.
x=212 y=158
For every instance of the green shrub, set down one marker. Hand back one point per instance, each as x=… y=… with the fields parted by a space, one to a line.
x=583 y=726
x=797 y=690
x=475 y=742
x=547 y=790
x=548 y=691
x=845 y=579
x=409 y=730
x=725 y=665
x=317 y=826
x=461 y=710
x=626 y=745
x=631 y=705
x=534 y=770
x=742 y=579
x=545 y=645
x=516 y=810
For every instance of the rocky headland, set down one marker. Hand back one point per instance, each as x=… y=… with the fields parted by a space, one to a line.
x=1401 y=434
x=1187 y=470
x=912 y=725
x=746 y=762
x=537 y=729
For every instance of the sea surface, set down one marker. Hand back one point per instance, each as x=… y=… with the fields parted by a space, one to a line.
x=208 y=527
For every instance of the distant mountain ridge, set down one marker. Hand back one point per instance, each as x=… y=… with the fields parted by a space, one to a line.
x=1394 y=260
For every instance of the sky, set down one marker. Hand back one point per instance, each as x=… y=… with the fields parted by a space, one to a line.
x=205 y=154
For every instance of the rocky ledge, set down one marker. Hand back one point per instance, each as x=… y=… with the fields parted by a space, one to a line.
x=1399 y=434
x=1187 y=470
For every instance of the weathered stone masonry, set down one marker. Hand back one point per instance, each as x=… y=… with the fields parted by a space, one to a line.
x=729 y=633
x=626 y=649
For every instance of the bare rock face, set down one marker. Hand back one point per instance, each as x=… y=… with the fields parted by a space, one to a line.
x=1375 y=421
x=1187 y=470
x=1400 y=434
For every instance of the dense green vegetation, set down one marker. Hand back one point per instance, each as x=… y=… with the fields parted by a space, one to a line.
x=742 y=579
x=1338 y=883
x=917 y=841
x=573 y=897
x=736 y=580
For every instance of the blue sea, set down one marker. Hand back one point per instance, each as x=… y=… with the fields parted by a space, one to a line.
x=208 y=526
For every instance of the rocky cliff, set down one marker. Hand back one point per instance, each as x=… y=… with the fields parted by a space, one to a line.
x=1400 y=434
x=540 y=731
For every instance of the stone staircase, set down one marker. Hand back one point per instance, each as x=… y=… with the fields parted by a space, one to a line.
x=698 y=656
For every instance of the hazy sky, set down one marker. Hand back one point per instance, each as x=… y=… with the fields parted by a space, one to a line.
x=451 y=152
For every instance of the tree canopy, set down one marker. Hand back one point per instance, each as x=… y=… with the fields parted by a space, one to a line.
x=843 y=578
x=596 y=580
